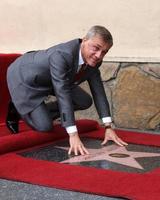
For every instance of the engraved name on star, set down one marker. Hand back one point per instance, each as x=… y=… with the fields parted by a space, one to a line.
x=111 y=153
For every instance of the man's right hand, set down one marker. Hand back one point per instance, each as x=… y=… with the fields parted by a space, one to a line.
x=76 y=146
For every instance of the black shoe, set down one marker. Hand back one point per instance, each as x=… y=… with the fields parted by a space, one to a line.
x=12 y=120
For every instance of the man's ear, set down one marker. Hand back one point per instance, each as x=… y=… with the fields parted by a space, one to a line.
x=84 y=39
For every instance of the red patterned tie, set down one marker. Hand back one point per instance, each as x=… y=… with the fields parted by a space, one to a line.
x=80 y=73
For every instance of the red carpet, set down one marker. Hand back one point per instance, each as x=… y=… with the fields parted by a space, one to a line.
x=78 y=178
x=70 y=177
x=5 y=60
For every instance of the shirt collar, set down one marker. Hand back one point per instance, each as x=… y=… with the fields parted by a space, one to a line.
x=80 y=61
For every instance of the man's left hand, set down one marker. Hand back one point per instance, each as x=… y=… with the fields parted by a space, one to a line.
x=111 y=135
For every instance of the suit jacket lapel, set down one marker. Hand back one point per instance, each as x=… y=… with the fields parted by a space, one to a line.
x=76 y=60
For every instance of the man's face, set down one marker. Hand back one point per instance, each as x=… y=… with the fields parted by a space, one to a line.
x=93 y=50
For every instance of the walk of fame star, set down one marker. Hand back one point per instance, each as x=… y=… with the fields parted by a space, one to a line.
x=111 y=153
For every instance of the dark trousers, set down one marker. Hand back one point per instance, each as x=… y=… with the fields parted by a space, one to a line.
x=41 y=118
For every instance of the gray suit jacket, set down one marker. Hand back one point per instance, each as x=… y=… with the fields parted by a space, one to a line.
x=37 y=74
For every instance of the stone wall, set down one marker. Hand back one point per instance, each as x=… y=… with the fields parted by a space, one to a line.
x=133 y=91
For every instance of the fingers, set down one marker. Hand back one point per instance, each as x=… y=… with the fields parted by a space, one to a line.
x=118 y=141
x=70 y=151
x=104 y=141
x=115 y=139
x=122 y=142
x=85 y=150
x=79 y=149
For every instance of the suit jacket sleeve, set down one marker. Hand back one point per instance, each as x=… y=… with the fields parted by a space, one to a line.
x=60 y=72
x=99 y=96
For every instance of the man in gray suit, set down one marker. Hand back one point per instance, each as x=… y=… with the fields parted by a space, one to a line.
x=56 y=71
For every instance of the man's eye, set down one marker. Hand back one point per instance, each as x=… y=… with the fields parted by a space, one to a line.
x=95 y=48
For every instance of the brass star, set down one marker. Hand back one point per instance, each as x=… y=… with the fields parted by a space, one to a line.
x=112 y=153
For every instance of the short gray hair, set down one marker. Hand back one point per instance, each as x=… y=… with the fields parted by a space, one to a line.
x=102 y=32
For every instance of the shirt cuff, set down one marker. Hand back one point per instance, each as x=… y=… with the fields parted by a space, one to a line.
x=71 y=129
x=106 y=120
